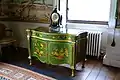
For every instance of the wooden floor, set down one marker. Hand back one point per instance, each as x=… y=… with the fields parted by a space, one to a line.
x=95 y=70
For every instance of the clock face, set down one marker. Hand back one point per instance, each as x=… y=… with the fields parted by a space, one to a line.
x=55 y=17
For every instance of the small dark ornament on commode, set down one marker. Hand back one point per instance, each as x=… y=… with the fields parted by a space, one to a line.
x=56 y=21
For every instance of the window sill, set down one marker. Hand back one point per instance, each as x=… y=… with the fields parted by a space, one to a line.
x=86 y=26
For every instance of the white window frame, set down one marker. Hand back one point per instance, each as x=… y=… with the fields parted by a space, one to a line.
x=111 y=21
x=83 y=21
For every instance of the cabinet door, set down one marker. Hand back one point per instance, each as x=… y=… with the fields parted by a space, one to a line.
x=60 y=52
x=39 y=49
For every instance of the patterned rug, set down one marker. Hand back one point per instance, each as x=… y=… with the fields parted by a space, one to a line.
x=11 y=72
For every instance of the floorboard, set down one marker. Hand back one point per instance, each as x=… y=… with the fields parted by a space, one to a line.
x=94 y=69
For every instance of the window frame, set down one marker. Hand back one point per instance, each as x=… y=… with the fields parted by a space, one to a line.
x=84 y=21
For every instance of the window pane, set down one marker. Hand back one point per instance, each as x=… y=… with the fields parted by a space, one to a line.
x=90 y=10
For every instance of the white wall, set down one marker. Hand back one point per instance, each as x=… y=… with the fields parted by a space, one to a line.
x=116 y=48
x=113 y=52
x=19 y=30
x=20 y=27
x=93 y=27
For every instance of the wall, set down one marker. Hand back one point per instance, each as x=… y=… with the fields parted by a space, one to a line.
x=20 y=27
x=116 y=48
x=20 y=33
x=92 y=27
x=112 y=57
x=19 y=30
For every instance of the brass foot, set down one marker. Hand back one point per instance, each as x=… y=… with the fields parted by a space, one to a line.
x=30 y=62
x=73 y=73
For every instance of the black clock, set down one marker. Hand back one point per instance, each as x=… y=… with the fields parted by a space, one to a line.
x=56 y=19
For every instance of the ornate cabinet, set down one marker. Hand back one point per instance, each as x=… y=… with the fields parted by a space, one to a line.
x=39 y=49
x=57 y=48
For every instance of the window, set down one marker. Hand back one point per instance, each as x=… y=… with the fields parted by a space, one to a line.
x=88 y=11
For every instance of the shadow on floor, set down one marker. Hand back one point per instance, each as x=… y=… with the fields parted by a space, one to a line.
x=19 y=57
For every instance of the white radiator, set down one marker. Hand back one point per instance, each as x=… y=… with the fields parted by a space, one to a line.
x=94 y=43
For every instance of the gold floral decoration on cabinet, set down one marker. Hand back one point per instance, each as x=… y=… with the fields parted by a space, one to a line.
x=60 y=54
x=40 y=50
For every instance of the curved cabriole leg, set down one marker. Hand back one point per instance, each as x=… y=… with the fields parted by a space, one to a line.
x=29 y=51
x=73 y=70
x=73 y=73
x=73 y=60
